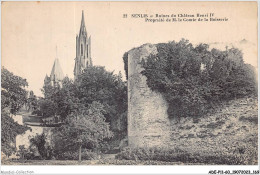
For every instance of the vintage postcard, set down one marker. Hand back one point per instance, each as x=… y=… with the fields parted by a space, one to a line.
x=129 y=83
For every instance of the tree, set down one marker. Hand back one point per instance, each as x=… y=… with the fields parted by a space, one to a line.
x=32 y=101
x=39 y=141
x=46 y=108
x=59 y=101
x=94 y=86
x=13 y=97
x=13 y=94
x=85 y=129
x=97 y=84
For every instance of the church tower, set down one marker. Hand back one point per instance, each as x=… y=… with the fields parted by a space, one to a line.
x=56 y=75
x=83 y=50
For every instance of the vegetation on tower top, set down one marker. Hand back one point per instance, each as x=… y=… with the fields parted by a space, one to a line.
x=194 y=80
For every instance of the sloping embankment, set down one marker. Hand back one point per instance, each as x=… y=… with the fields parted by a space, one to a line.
x=232 y=130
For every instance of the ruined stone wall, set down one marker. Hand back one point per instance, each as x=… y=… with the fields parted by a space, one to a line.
x=24 y=139
x=148 y=122
x=231 y=128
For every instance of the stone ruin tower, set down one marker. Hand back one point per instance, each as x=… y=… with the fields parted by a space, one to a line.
x=148 y=122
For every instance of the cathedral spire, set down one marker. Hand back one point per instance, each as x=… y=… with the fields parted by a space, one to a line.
x=82 y=26
x=83 y=50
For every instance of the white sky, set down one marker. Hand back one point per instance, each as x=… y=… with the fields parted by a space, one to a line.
x=31 y=31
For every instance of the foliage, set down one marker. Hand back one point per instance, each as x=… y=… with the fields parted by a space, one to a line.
x=13 y=97
x=58 y=100
x=39 y=141
x=45 y=108
x=125 y=59
x=26 y=153
x=193 y=79
x=87 y=128
x=37 y=149
x=32 y=101
x=48 y=90
x=95 y=89
x=13 y=94
x=179 y=155
x=94 y=84
x=21 y=152
x=97 y=84
x=53 y=102
x=9 y=130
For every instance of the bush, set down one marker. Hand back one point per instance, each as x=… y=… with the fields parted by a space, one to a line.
x=45 y=151
x=193 y=80
x=178 y=155
x=26 y=153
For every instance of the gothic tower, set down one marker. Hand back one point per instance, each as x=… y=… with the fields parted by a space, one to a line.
x=56 y=75
x=83 y=50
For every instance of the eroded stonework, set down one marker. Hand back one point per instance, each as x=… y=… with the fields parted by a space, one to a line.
x=148 y=122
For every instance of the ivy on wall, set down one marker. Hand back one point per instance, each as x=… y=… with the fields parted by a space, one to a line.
x=194 y=80
x=125 y=59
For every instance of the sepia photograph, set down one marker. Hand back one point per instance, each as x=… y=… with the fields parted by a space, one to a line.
x=129 y=83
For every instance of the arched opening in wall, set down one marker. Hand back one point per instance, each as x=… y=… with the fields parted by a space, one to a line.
x=81 y=48
x=87 y=51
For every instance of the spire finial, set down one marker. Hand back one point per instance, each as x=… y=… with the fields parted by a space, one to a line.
x=82 y=25
x=56 y=51
x=82 y=19
x=82 y=14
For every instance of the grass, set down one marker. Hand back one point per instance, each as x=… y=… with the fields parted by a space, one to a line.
x=90 y=162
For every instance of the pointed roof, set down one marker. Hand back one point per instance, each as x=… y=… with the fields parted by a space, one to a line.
x=82 y=26
x=56 y=72
x=46 y=78
x=82 y=18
